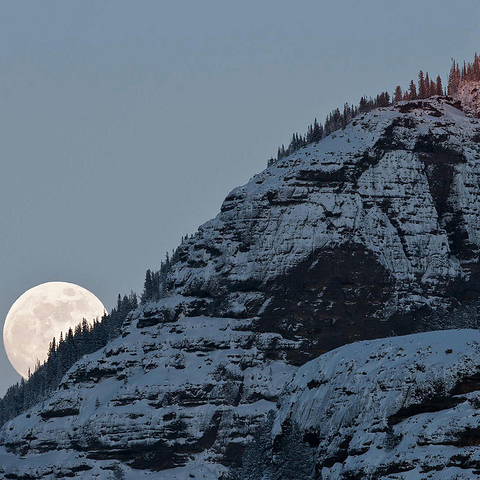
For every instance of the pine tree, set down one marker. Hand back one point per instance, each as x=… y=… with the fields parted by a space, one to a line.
x=454 y=79
x=413 y=91
x=147 y=294
x=293 y=459
x=422 y=92
x=398 y=94
x=257 y=456
x=427 y=86
x=363 y=106
x=383 y=100
x=309 y=133
x=317 y=131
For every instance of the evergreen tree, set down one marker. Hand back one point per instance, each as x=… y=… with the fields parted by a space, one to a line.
x=363 y=105
x=147 y=294
x=413 y=91
x=398 y=94
x=257 y=456
x=422 y=91
x=428 y=92
x=293 y=459
x=382 y=100
x=288 y=458
x=470 y=72
x=317 y=131
x=454 y=79
x=439 y=86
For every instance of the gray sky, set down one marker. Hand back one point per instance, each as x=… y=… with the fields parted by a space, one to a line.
x=123 y=125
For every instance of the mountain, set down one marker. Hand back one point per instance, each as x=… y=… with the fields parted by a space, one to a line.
x=372 y=232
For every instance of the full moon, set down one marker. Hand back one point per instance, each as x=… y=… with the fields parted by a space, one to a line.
x=40 y=314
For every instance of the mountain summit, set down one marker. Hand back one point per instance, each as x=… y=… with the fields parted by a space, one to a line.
x=372 y=232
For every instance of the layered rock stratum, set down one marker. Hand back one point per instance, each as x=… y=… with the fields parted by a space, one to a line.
x=372 y=232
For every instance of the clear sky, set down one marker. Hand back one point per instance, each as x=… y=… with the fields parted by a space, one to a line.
x=124 y=124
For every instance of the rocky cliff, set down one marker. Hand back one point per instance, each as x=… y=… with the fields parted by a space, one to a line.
x=405 y=407
x=372 y=232
x=469 y=95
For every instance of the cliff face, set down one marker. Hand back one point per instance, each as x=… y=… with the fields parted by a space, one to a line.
x=372 y=232
x=404 y=407
x=469 y=95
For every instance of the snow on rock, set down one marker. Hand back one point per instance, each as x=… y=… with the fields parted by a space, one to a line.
x=404 y=407
x=469 y=95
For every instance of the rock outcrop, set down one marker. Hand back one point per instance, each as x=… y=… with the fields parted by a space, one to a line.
x=162 y=397
x=469 y=95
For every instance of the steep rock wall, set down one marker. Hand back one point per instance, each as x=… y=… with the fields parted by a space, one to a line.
x=373 y=231
x=172 y=396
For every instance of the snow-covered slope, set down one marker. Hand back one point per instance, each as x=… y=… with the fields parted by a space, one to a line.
x=405 y=407
x=374 y=231
x=399 y=408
